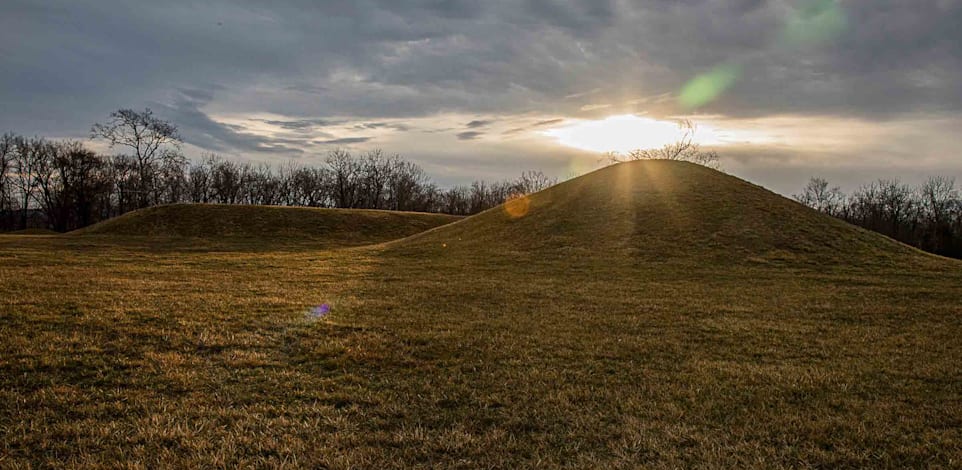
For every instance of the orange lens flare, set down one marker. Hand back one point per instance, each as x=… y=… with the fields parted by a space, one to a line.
x=517 y=207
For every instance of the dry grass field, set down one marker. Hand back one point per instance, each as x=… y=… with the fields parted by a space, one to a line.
x=651 y=314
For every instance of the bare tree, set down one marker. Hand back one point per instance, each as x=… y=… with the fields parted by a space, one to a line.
x=69 y=186
x=152 y=141
x=533 y=181
x=685 y=149
x=375 y=169
x=928 y=216
x=125 y=184
x=406 y=186
x=939 y=204
x=480 y=197
x=313 y=187
x=83 y=185
x=46 y=181
x=819 y=196
x=265 y=186
x=227 y=180
x=170 y=183
x=897 y=203
x=345 y=172
x=199 y=181
x=456 y=201
x=7 y=149
x=938 y=197
x=25 y=162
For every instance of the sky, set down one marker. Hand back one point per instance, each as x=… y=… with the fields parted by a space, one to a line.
x=850 y=90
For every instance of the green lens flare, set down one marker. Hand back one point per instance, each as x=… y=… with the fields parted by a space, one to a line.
x=815 y=22
x=707 y=87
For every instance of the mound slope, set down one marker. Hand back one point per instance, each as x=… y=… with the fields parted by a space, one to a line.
x=33 y=231
x=661 y=210
x=341 y=227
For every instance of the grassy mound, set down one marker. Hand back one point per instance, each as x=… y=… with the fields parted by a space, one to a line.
x=32 y=231
x=268 y=224
x=661 y=211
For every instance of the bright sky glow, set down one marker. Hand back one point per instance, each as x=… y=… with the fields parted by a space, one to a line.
x=629 y=132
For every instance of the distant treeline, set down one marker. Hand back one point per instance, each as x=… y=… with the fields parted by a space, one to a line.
x=927 y=216
x=64 y=185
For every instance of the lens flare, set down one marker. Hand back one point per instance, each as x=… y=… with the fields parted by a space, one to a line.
x=517 y=207
x=815 y=22
x=707 y=87
x=319 y=311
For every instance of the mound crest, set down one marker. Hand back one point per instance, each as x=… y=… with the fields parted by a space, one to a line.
x=331 y=227
x=660 y=210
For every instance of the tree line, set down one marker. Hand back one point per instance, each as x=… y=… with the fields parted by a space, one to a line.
x=63 y=185
x=927 y=216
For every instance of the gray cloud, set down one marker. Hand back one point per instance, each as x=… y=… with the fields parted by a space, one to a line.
x=383 y=125
x=536 y=125
x=311 y=65
x=300 y=124
x=469 y=135
x=345 y=141
x=197 y=128
x=477 y=123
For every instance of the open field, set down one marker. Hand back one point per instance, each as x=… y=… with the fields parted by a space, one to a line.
x=651 y=314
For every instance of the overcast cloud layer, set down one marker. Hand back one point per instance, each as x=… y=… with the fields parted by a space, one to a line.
x=464 y=86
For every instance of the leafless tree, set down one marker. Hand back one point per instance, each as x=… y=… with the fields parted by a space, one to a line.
x=72 y=186
x=46 y=180
x=818 y=195
x=125 y=186
x=200 y=180
x=928 y=216
x=227 y=181
x=153 y=141
x=345 y=172
x=82 y=185
x=685 y=149
x=938 y=198
x=940 y=205
x=407 y=186
x=533 y=181
x=7 y=149
x=376 y=169
x=313 y=187
x=456 y=200
x=26 y=159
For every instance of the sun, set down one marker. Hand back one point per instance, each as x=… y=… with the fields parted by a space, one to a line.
x=623 y=133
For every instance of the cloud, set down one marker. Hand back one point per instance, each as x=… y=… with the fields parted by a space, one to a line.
x=345 y=141
x=383 y=125
x=300 y=124
x=469 y=135
x=477 y=123
x=310 y=69
x=582 y=94
x=595 y=107
x=306 y=88
x=547 y=122
x=536 y=125
x=199 y=129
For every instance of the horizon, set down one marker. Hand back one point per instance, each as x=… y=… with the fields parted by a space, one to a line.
x=784 y=91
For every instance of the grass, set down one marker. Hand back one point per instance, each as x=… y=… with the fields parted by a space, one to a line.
x=520 y=353
x=33 y=231
x=263 y=227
